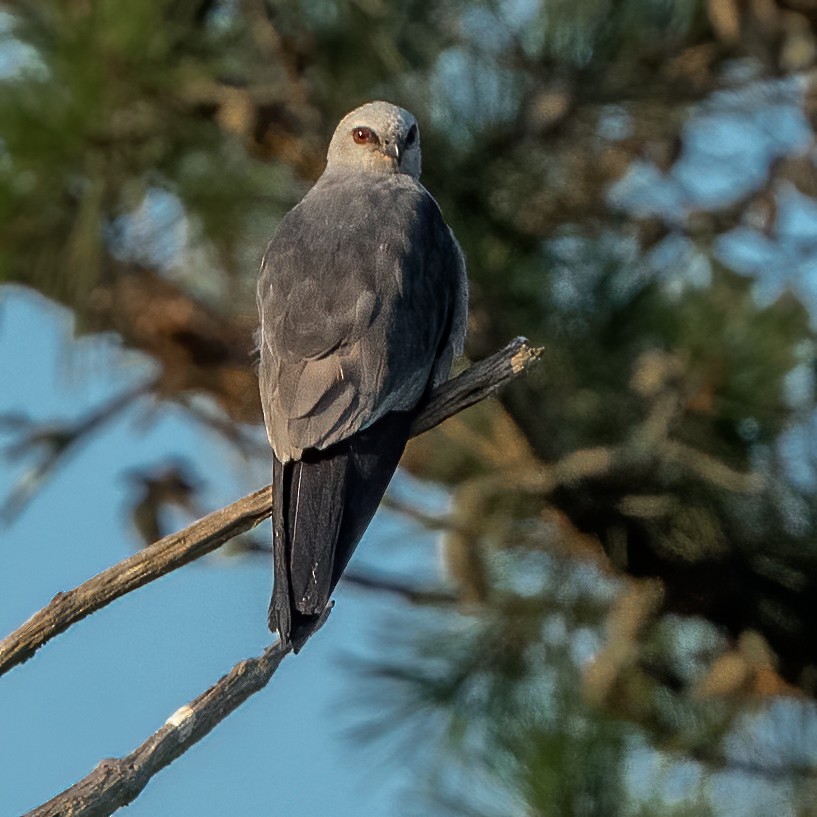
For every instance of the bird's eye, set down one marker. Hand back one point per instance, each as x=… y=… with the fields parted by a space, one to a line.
x=364 y=136
x=411 y=137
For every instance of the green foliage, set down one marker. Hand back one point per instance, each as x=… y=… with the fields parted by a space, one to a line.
x=112 y=106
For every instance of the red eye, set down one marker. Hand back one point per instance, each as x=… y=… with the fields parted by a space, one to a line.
x=363 y=135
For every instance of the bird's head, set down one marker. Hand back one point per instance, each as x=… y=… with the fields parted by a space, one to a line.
x=378 y=137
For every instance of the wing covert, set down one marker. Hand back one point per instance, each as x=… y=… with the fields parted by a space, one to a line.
x=353 y=328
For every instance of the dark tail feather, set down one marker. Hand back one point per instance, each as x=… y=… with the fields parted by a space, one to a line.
x=280 y=606
x=375 y=453
x=317 y=488
x=328 y=499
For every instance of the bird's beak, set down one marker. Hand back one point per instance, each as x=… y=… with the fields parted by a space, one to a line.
x=392 y=150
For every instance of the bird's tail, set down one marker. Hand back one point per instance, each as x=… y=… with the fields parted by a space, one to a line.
x=323 y=503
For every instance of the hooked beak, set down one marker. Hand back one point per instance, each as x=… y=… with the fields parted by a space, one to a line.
x=392 y=150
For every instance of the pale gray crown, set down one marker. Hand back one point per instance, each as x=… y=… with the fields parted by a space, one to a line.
x=378 y=137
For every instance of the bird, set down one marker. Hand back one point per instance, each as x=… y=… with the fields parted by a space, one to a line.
x=363 y=305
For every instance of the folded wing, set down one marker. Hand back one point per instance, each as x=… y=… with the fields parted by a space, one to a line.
x=355 y=327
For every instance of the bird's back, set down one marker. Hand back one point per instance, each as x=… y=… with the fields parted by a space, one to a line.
x=357 y=293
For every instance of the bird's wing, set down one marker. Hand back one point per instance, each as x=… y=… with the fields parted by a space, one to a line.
x=357 y=299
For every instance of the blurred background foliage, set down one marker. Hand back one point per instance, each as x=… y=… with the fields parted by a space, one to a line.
x=631 y=567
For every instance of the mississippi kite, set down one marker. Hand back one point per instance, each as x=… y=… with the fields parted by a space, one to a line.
x=363 y=304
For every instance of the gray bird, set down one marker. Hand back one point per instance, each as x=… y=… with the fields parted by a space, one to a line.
x=363 y=305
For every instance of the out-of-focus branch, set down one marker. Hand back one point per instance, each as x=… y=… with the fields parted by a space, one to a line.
x=414 y=594
x=205 y=535
x=56 y=442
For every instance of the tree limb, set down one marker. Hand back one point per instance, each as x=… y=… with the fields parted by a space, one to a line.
x=115 y=782
x=208 y=533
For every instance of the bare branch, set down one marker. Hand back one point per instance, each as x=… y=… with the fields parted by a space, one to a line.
x=207 y=534
x=160 y=558
x=115 y=782
x=476 y=383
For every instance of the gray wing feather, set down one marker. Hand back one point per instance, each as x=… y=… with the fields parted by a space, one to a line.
x=362 y=298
